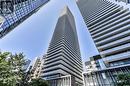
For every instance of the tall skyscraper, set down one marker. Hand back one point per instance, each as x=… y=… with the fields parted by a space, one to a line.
x=109 y=25
x=15 y=12
x=63 y=55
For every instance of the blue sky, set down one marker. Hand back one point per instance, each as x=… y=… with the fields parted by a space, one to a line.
x=33 y=36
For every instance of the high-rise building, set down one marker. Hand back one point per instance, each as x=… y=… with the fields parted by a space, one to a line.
x=15 y=12
x=108 y=24
x=63 y=55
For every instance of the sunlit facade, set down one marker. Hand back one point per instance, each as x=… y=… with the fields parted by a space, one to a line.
x=109 y=26
x=108 y=22
x=63 y=56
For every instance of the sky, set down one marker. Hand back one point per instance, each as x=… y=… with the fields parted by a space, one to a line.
x=33 y=36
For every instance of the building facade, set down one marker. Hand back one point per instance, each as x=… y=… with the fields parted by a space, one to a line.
x=126 y=1
x=105 y=77
x=93 y=64
x=15 y=12
x=37 y=67
x=95 y=75
x=108 y=24
x=27 y=64
x=61 y=81
x=63 y=55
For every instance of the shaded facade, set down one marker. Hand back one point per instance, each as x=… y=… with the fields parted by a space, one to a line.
x=105 y=77
x=61 y=81
x=95 y=76
x=16 y=11
x=27 y=64
x=63 y=55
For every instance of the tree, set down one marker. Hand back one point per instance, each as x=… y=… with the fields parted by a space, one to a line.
x=11 y=68
x=123 y=79
x=6 y=77
x=18 y=62
x=38 y=82
x=12 y=71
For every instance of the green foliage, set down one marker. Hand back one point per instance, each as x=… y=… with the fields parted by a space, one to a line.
x=11 y=71
x=38 y=82
x=123 y=79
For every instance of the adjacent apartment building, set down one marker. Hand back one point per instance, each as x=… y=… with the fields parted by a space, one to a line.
x=109 y=25
x=14 y=12
x=37 y=67
x=63 y=64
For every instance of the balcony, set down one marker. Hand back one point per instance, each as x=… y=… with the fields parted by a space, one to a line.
x=117 y=57
x=116 y=49
x=120 y=41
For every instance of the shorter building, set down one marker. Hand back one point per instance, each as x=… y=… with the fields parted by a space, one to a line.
x=98 y=75
x=27 y=77
x=37 y=67
x=27 y=64
x=106 y=77
x=93 y=64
